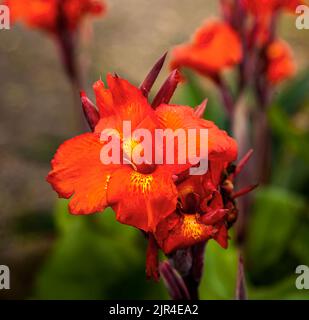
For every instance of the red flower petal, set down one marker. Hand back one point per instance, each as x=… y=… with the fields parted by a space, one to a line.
x=120 y=102
x=181 y=231
x=267 y=7
x=44 y=14
x=77 y=171
x=207 y=52
x=280 y=62
x=220 y=145
x=222 y=236
x=142 y=200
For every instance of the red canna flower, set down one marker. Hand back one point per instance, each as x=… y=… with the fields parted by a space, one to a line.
x=160 y=199
x=139 y=199
x=142 y=195
x=206 y=208
x=265 y=13
x=59 y=18
x=202 y=212
x=280 y=63
x=207 y=52
x=188 y=225
x=268 y=7
x=206 y=205
x=45 y=14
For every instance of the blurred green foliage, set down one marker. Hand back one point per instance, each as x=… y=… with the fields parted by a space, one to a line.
x=95 y=258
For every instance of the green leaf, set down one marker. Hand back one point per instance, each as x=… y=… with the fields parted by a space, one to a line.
x=273 y=222
x=295 y=93
x=292 y=137
x=220 y=271
x=283 y=290
x=96 y=257
x=300 y=240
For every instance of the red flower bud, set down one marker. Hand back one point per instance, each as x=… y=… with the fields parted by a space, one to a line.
x=90 y=111
x=167 y=90
x=152 y=76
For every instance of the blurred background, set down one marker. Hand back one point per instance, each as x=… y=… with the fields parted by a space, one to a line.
x=53 y=255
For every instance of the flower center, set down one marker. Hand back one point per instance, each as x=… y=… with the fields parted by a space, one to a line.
x=144 y=168
x=128 y=147
x=191 y=228
x=140 y=182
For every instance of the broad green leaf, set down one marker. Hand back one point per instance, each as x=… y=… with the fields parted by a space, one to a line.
x=300 y=240
x=220 y=271
x=273 y=223
x=294 y=94
x=96 y=258
x=292 y=137
x=283 y=290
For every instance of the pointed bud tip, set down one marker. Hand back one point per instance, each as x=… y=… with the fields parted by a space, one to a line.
x=244 y=191
x=175 y=74
x=242 y=162
x=250 y=152
x=164 y=55
x=90 y=111
x=199 y=111
x=162 y=59
x=152 y=76
x=168 y=88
